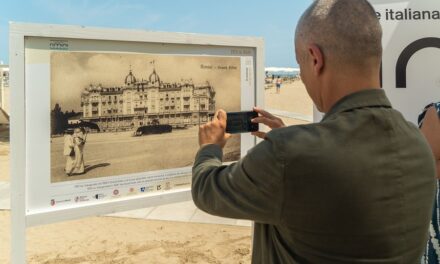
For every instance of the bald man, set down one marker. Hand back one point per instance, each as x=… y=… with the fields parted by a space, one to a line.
x=358 y=187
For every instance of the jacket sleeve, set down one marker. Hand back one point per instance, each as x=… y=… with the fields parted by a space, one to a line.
x=251 y=188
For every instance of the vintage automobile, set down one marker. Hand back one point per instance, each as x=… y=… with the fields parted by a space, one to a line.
x=152 y=129
x=89 y=127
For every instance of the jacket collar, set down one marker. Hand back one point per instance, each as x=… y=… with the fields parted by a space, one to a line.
x=362 y=99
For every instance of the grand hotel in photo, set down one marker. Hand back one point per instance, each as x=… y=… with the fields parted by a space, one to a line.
x=140 y=102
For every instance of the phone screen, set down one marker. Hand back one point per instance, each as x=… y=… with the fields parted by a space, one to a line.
x=240 y=122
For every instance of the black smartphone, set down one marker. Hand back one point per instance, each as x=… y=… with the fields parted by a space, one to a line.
x=240 y=122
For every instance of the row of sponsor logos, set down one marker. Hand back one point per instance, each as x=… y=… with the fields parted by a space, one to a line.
x=115 y=194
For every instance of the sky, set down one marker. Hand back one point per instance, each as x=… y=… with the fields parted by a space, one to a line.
x=275 y=21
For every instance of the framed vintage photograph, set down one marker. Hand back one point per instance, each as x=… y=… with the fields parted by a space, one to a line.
x=106 y=120
x=118 y=114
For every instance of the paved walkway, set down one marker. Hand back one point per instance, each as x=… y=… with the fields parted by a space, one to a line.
x=291 y=115
x=181 y=212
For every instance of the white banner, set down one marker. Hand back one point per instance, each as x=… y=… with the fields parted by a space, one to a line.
x=411 y=59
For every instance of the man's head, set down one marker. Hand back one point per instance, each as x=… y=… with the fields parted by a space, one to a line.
x=336 y=40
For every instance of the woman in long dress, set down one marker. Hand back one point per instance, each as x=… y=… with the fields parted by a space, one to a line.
x=68 y=152
x=79 y=140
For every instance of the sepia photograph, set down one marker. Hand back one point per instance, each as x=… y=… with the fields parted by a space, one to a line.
x=117 y=114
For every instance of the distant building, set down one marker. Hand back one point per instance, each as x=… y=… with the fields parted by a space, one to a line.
x=144 y=102
x=4 y=88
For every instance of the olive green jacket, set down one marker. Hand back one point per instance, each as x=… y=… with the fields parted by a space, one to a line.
x=358 y=187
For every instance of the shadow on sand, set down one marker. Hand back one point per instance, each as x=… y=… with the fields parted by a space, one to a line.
x=92 y=167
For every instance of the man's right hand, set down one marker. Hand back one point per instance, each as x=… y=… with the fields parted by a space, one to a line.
x=267 y=119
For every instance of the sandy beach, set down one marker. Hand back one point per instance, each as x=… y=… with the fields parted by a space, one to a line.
x=125 y=241
x=4 y=154
x=100 y=240
x=293 y=97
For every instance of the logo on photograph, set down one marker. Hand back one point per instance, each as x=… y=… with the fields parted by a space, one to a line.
x=54 y=201
x=82 y=198
x=99 y=196
x=56 y=44
x=132 y=190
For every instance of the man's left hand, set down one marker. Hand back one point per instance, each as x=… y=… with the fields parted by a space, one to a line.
x=214 y=132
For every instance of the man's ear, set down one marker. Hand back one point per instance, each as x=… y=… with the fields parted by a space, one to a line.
x=317 y=59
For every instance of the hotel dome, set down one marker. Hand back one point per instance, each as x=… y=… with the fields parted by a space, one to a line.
x=154 y=78
x=130 y=79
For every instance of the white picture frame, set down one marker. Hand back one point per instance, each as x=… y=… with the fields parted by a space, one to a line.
x=21 y=216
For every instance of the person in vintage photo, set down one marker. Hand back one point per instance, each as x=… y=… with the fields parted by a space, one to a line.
x=74 y=151
x=137 y=110
x=68 y=151
x=79 y=141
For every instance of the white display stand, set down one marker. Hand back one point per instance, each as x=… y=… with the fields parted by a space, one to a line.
x=22 y=214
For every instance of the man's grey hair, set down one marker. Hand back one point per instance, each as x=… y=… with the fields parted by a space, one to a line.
x=346 y=31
